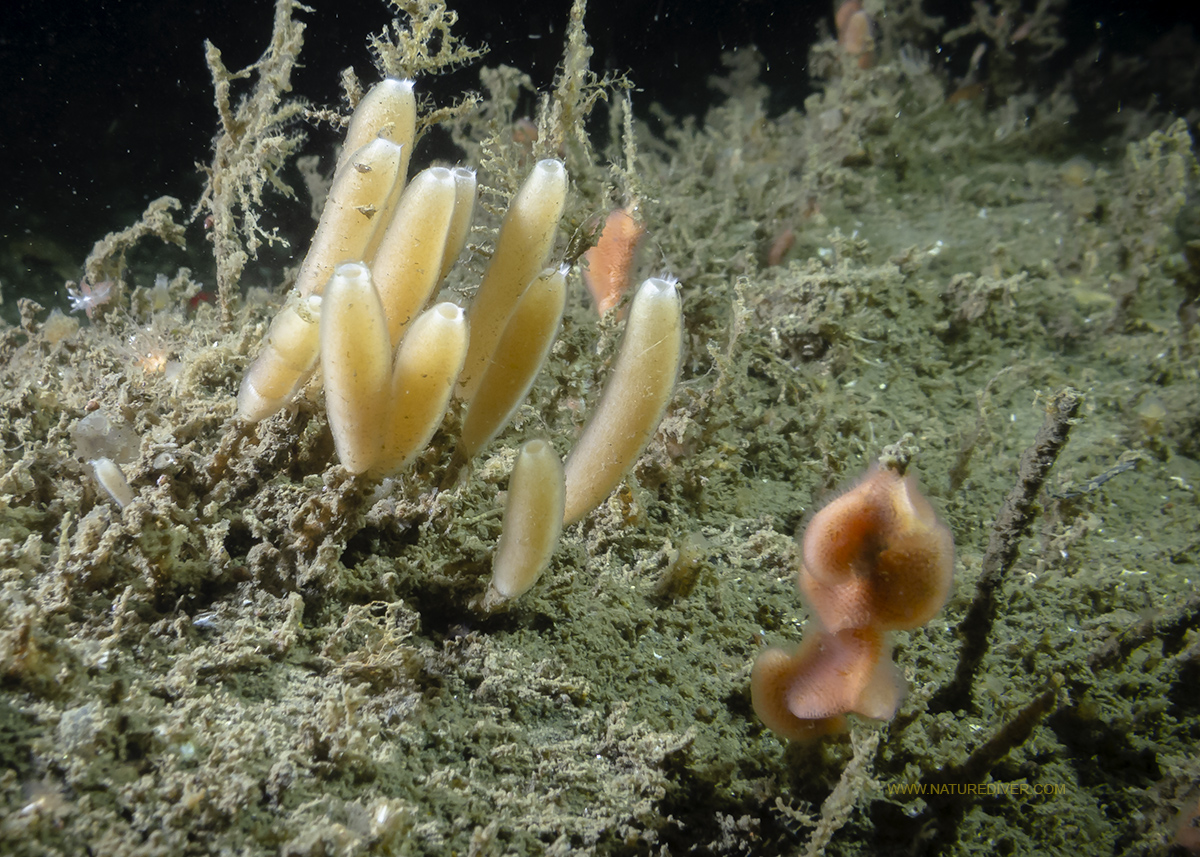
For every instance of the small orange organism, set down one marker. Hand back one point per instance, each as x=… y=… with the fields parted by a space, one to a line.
x=876 y=559
x=608 y=266
x=856 y=32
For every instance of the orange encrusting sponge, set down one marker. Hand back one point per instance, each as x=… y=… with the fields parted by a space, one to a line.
x=877 y=559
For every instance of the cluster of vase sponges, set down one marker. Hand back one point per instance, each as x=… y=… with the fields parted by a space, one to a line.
x=876 y=560
x=359 y=327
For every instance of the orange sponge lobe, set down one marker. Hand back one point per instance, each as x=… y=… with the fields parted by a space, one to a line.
x=877 y=557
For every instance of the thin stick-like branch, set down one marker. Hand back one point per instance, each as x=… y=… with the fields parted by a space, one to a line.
x=1012 y=523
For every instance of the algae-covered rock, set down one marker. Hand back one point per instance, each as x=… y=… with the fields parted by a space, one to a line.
x=259 y=653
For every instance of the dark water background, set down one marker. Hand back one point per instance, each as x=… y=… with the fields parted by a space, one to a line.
x=107 y=105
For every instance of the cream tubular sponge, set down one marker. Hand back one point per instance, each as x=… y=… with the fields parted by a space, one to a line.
x=350 y=218
x=287 y=359
x=525 y=240
x=634 y=398
x=533 y=519
x=408 y=263
x=520 y=353
x=356 y=362
x=464 y=213
x=388 y=110
x=427 y=365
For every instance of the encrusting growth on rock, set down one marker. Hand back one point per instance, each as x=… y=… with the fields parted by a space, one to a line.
x=876 y=559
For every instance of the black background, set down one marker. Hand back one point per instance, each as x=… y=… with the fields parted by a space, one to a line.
x=107 y=105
